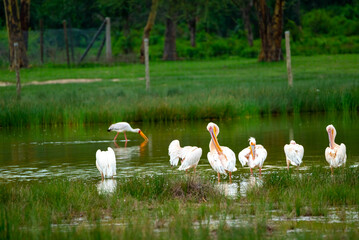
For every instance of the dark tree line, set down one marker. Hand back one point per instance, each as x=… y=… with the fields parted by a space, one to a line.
x=257 y=18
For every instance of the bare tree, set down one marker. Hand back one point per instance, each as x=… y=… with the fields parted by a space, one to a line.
x=270 y=30
x=14 y=33
x=25 y=19
x=147 y=30
x=245 y=7
x=169 y=51
x=192 y=10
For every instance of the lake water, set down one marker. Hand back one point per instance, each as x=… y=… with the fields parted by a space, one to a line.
x=32 y=154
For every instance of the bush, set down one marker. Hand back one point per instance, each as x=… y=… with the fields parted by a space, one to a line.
x=317 y=22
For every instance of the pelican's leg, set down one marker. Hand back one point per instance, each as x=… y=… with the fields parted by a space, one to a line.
x=219 y=178
x=251 y=172
x=230 y=177
x=260 y=171
x=125 y=136
x=288 y=165
x=331 y=168
x=102 y=178
x=116 y=136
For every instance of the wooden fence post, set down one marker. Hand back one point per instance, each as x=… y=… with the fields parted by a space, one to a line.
x=17 y=70
x=108 y=40
x=147 y=64
x=41 y=41
x=71 y=42
x=92 y=41
x=288 y=58
x=66 y=43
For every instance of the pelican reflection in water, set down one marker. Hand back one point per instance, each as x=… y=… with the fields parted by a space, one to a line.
x=229 y=190
x=248 y=184
x=107 y=186
x=130 y=152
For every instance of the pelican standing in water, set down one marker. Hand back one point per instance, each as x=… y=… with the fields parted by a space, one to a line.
x=222 y=159
x=125 y=127
x=189 y=155
x=335 y=154
x=253 y=156
x=294 y=153
x=106 y=163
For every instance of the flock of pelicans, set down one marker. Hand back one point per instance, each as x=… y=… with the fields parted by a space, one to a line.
x=221 y=158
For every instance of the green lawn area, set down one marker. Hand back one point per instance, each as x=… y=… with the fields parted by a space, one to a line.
x=180 y=90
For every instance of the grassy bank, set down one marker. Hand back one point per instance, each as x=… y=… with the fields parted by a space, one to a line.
x=168 y=206
x=182 y=90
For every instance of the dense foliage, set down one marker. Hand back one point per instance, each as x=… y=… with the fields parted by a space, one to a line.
x=317 y=27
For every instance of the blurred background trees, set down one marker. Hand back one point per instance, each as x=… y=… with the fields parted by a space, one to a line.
x=184 y=29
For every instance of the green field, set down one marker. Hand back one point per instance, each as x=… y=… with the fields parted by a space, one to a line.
x=216 y=89
x=184 y=207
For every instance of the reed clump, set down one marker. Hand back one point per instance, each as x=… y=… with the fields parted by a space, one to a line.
x=177 y=207
x=310 y=194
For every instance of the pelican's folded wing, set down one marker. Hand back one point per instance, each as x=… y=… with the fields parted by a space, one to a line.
x=243 y=156
x=191 y=158
x=174 y=152
x=262 y=154
x=216 y=164
x=112 y=162
x=341 y=156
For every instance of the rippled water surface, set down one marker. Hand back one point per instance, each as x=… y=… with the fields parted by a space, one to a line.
x=69 y=151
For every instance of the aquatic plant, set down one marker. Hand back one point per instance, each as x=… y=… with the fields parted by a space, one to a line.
x=179 y=207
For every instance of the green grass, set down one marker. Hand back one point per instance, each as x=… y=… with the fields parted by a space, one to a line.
x=180 y=207
x=215 y=89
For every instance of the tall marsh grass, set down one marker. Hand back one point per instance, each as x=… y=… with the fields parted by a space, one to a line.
x=185 y=90
x=176 y=207
x=309 y=194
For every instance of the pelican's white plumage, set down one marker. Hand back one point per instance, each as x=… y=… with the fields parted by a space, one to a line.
x=106 y=162
x=189 y=155
x=125 y=127
x=294 y=153
x=335 y=154
x=222 y=159
x=253 y=156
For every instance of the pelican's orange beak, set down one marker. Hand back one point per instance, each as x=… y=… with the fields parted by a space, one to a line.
x=212 y=131
x=143 y=135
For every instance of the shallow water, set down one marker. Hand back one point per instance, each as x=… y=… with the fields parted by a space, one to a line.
x=69 y=151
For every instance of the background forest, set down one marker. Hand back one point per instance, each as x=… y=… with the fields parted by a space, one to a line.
x=222 y=28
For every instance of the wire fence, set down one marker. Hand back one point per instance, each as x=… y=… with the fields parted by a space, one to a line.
x=54 y=46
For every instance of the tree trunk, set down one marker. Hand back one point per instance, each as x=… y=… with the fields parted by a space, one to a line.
x=192 y=24
x=270 y=30
x=147 y=30
x=14 y=33
x=25 y=19
x=246 y=9
x=169 y=52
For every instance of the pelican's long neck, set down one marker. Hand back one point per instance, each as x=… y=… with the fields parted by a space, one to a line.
x=331 y=135
x=136 y=130
x=253 y=151
x=213 y=144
